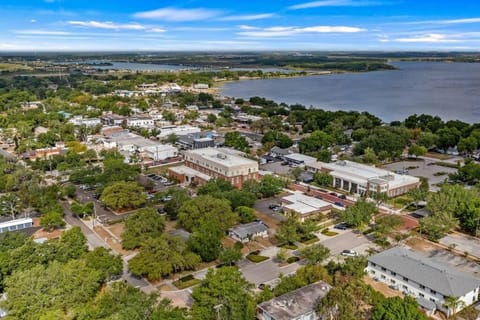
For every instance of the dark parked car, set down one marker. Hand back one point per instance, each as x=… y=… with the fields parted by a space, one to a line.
x=333 y=194
x=341 y=226
x=339 y=204
x=342 y=196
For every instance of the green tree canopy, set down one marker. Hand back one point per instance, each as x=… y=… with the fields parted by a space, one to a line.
x=359 y=214
x=223 y=294
x=36 y=291
x=206 y=208
x=140 y=226
x=162 y=256
x=123 y=195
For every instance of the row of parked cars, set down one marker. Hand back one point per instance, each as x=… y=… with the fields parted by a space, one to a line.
x=161 y=179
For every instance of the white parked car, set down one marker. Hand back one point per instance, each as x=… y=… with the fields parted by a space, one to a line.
x=349 y=253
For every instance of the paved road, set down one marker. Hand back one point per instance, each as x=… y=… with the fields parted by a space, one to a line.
x=93 y=239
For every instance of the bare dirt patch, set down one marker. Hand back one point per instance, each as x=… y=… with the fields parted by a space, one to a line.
x=382 y=288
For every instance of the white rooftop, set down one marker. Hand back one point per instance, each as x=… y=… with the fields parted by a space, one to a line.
x=15 y=222
x=304 y=204
x=300 y=157
x=361 y=173
x=223 y=156
x=189 y=172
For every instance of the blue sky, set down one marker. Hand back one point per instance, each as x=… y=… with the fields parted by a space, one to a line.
x=73 y=25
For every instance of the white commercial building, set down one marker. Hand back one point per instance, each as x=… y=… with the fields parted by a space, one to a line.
x=305 y=206
x=361 y=179
x=17 y=224
x=140 y=122
x=222 y=163
x=429 y=281
x=299 y=159
x=88 y=122
x=135 y=144
x=178 y=130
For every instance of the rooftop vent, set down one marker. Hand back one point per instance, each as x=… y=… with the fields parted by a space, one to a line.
x=221 y=156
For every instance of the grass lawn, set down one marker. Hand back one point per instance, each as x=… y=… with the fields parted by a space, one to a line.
x=400 y=202
x=310 y=241
x=186 y=282
x=289 y=246
x=256 y=258
x=329 y=233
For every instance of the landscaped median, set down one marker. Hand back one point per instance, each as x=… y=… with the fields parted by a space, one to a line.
x=186 y=282
x=256 y=257
x=329 y=233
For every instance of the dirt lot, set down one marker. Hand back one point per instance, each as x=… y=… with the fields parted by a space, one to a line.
x=116 y=229
x=113 y=243
x=382 y=288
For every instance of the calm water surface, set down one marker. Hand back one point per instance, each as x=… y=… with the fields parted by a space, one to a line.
x=449 y=90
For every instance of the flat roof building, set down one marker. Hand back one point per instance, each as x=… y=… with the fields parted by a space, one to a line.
x=298 y=158
x=362 y=179
x=17 y=224
x=295 y=305
x=222 y=163
x=305 y=206
x=178 y=130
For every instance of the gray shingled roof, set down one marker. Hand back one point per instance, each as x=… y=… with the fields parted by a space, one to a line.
x=244 y=230
x=436 y=276
x=296 y=303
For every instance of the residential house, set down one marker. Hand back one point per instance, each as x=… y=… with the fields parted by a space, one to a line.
x=295 y=305
x=248 y=231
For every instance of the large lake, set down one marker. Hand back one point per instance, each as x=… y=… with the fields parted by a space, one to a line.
x=449 y=90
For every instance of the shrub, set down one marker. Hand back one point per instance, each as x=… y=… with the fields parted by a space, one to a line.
x=293 y=259
x=329 y=233
x=256 y=258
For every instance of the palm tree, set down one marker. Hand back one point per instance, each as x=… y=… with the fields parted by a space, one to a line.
x=453 y=303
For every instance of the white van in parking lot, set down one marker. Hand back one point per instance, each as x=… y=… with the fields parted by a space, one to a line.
x=349 y=253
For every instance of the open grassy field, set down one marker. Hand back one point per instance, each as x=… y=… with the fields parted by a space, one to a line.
x=13 y=67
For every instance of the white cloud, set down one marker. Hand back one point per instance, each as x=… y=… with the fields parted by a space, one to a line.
x=157 y=30
x=42 y=32
x=289 y=31
x=108 y=25
x=448 y=21
x=335 y=3
x=248 y=17
x=430 y=38
x=173 y=14
x=246 y=27
x=33 y=20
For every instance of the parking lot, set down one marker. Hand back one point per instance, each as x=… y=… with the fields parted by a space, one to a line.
x=431 y=172
x=463 y=243
x=347 y=240
x=276 y=167
x=262 y=206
